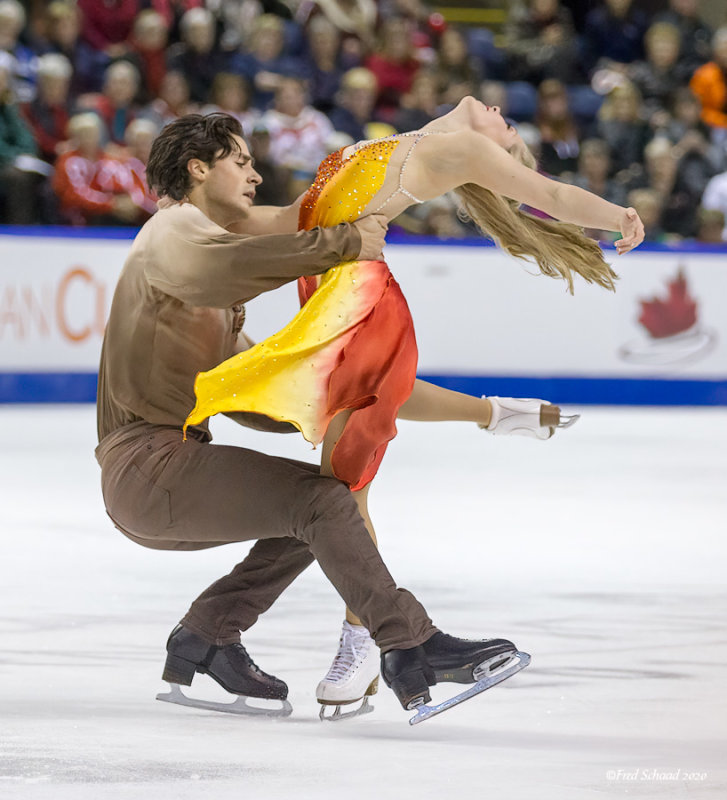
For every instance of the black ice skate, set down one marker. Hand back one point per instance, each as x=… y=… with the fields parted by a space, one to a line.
x=229 y=665
x=445 y=658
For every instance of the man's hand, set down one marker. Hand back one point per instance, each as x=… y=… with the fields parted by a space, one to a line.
x=373 y=236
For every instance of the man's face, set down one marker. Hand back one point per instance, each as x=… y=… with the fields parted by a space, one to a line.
x=228 y=187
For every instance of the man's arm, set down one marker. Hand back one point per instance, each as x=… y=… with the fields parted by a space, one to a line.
x=189 y=257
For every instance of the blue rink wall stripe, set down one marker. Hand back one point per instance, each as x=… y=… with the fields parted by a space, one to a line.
x=393 y=237
x=48 y=387
x=592 y=390
x=80 y=387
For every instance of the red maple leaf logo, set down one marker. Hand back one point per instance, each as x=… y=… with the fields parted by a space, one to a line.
x=671 y=316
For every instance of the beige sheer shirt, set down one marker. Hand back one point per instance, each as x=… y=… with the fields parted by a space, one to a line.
x=177 y=309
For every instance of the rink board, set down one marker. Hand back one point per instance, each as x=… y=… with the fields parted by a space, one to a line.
x=485 y=323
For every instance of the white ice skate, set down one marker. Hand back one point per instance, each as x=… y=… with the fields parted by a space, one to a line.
x=526 y=417
x=353 y=676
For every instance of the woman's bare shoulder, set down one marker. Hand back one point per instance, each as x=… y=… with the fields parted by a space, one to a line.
x=447 y=150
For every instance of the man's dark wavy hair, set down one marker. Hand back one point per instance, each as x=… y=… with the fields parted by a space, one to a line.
x=207 y=138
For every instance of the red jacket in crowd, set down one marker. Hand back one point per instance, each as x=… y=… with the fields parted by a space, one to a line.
x=86 y=188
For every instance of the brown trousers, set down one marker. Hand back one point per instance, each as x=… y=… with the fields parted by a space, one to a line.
x=168 y=494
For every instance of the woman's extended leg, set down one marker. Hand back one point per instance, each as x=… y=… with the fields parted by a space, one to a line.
x=333 y=434
x=499 y=415
x=354 y=673
x=431 y=403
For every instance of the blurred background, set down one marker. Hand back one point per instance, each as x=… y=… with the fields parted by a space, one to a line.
x=627 y=99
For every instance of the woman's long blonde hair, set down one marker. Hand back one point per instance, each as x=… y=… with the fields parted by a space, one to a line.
x=558 y=248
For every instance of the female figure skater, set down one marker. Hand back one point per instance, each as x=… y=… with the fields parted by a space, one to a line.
x=344 y=368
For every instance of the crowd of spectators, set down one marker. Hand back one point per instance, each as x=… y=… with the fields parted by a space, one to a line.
x=629 y=105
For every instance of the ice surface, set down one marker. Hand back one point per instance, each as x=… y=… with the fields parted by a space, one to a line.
x=601 y=552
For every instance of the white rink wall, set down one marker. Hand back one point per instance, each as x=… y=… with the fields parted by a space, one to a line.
x=485 y=322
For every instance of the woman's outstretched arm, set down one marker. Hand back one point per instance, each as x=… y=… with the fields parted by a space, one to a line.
x=454 y=159
x=263 y=220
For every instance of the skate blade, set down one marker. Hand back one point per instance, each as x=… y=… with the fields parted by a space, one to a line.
x=425 y=712
x=338 y=715
x=566 y=422
x=238 y=706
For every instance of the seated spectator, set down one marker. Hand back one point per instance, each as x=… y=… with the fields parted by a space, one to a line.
x=322 y=68
x=424 y=26
x=196 y=56
x=684 y=116
x=530 y=134
x=541 y=43
x=613 y=34
x=236 y=18
x=457 y=72
x=621 y=126
x=420 y=105
x=355 y=19
x=439 y=219
x=17 y=182
x=355 y=103
x=394 y=65
x=106 y=24
x=63 y=35
x=172 y=12
x=494 y=93
x=715 y=197
x=263 y=62
x=231 y=94
x=139 y=137
x=648 y=205
x=558 y=131
x=709 y=83
x=91 y=186
x=275 y=187
x=298 y=133
x=116 y=105
x=22 y=69
x=690 y=135
x=418 y=12
x=711 y=226
x=594 y=168
x=679 y=179
x=658 y=76
x=174 y=100
x=148 y=45
x=47 y=115
x=695 y=35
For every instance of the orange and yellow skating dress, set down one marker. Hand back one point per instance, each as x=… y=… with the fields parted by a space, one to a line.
x=351 y=346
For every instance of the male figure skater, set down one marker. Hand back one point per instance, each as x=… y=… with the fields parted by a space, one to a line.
x=177 y=310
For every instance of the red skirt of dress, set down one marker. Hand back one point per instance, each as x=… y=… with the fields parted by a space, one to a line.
x=374 y=376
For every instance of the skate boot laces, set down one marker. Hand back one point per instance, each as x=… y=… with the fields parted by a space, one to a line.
x=353 y=647
x=250 y=663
